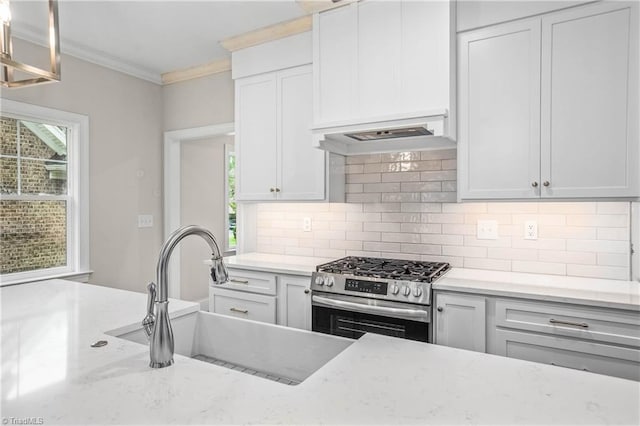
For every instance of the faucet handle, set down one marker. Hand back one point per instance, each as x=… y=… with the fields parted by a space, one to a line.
x=150 y=319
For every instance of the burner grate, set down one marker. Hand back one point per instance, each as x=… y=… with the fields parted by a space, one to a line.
x=397 y=269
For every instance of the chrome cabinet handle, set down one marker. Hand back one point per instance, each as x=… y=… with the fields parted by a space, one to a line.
x=534 y=184
x=306 y=291
x=546 y=183
x=573 y=368
x=440 y=309
x=573 y=324
x=237 y=281
x=242 y=311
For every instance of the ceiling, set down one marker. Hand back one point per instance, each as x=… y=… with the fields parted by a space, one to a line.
x=147 y=38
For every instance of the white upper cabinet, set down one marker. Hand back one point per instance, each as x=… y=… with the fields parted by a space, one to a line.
x=548 y=106
x=499 y=141
x=256 y=137
x=590 y=98
x=276 y=160
x=381 y=59
x=274 y=109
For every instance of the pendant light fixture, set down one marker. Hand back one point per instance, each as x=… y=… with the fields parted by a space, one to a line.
x=32 y=75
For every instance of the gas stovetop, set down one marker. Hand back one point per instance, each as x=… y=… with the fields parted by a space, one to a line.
x=396 y=269
x=397 y=280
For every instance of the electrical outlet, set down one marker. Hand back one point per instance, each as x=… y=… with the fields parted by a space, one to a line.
x=531 y=230
x=145 y=221
x=306 y=224
x=487 y=229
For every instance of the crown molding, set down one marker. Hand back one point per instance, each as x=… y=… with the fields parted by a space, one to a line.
x=214 y=67
x=266 y=34
x=91 y=55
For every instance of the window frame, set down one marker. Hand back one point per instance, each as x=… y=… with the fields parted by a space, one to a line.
x=228 y=251
x=77 y=197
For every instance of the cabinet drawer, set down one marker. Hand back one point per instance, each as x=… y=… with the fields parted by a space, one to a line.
x=255 y=282
x=238 y=304
x=603 y=325
x=565 y=352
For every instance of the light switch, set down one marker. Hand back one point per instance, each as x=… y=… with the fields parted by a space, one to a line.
x=145 y=221
x=487 y=229
x=306 y=224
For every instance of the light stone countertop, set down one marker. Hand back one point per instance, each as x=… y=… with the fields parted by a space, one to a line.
x=276 y=263
x=50 y=371
x=585 y=291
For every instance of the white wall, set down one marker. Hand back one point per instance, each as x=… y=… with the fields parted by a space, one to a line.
x=194 y=103
x=199 y=102
x=125 y=119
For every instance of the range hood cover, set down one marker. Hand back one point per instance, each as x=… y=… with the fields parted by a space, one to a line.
x=419 y=132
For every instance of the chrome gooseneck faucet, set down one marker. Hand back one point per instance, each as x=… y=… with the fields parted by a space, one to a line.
x=158 y=326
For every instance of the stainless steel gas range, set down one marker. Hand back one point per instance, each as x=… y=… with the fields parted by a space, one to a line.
x=356 y=295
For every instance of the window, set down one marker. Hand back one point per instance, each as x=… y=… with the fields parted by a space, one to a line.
x=230 y=204
x=43 y=193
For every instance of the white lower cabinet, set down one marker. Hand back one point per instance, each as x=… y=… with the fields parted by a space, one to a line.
x=251 y=306
x=294 y=301
x=460 y=321
x=599 y=340
x=264 y=296
x=588 y=338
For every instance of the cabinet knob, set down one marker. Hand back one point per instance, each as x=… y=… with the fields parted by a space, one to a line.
x=306 y=291
x=277 y=189
x=534 y=184
x=272 y=190
x=546 y=183
x=440 y=309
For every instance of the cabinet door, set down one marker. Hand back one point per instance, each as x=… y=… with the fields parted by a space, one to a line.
x=426 y=49
x=294 y=302
x=379 y=57
x=499 y=111
x=301 y=173
x=460 y=321
x=256 y=137
x=590 y=101
x=335 y=51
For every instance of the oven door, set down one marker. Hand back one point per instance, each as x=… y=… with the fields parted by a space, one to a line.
x=352 y=316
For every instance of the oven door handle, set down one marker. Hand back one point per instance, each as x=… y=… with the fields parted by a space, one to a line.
x=403 y=313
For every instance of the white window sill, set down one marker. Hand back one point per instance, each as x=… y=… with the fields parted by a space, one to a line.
x=82 y=277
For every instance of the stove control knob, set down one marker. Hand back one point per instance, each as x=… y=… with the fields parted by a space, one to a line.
x=329 y=281
x=417 y=292
x=406 y=291
x=394 y=289
x=319 y=280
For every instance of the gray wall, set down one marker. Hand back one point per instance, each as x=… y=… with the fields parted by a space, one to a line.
x=200 y=102
x=125 y=119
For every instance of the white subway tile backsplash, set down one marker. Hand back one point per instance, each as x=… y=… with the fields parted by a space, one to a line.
x=382 y=226
x=599 y=246
x=380 y=246
x=401 y=177
x=613 y=259
x=403 y=205
x=491 y=264
x=539 y=267
x=606 y=272
x=616 y=234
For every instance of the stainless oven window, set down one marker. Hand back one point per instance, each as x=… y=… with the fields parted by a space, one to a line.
x=354 y=324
